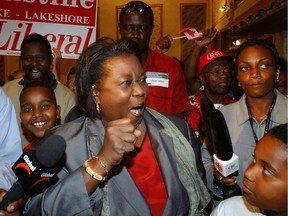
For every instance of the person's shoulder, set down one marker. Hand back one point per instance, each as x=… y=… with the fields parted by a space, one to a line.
x=229 y=107
x=68 y=128
x=229 y=207
x=4 y=100
x=64 y=90
x=280 y=97
x=62 y=86
x=10 y=85
x=179 y=122
x=163 y=57
x=175 y=118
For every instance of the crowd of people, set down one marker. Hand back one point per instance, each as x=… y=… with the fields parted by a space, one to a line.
x=136 y=138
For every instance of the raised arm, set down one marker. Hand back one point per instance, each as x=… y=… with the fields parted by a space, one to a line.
x=163 y=44
x=57 y=56
x=191 y=65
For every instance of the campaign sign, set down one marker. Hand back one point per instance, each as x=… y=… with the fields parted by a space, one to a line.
x=69 y=25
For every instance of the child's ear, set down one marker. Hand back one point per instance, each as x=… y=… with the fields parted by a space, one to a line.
x=58 y=111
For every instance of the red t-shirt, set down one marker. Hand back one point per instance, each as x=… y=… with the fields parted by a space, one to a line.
x=167 y=87
x=146 y=174
x=195 y=119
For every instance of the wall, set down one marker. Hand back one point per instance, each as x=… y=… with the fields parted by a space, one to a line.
x=170 y=19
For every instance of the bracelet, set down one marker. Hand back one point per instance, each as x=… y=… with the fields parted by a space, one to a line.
x=102 y=164
x=92 y=173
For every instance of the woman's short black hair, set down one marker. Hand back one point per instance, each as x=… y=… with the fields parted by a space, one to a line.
x=90 y=69
x=260 y=42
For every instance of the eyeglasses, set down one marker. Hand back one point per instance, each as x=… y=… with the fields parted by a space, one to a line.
x=138 y=6
x=219 y=73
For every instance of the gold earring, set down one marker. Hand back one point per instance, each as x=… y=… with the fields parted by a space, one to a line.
x=98 y=108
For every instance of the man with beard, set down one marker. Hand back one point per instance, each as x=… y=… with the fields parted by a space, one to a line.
x=215 y=74
x=165 y=78
x=36 y=60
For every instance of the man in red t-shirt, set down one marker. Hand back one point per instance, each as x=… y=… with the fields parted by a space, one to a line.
x=165 y=78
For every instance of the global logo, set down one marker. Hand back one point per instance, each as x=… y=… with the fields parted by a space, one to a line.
x=28 y=166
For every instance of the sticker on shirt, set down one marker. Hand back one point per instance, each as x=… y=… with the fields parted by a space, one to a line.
x=157 y=79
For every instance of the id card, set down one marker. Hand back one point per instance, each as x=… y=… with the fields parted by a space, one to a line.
x=157 y=79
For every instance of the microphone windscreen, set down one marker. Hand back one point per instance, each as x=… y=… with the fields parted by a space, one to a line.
x=220 y=135
x=51 y=150
x=206 y=108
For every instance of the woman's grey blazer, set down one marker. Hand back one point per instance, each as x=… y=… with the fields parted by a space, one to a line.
x=83 y=136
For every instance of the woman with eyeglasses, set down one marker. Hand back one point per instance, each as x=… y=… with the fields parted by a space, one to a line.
x=122 y=158
x=259 y=109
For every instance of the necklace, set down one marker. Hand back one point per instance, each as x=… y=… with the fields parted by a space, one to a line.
x=268 y=120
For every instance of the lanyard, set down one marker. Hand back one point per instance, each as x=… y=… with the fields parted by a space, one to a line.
x=268 y=120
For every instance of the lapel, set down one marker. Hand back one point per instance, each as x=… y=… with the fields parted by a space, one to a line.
x=162 y=145
x=122 y=180
x=126 y=186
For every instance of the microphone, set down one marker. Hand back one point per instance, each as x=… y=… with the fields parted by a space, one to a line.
x=35 y=169
x=206 y=108
x=225 y=161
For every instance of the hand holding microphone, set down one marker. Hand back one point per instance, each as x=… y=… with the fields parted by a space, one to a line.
x=35 y=169
x=225 y=161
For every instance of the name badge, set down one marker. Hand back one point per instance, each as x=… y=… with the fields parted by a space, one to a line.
x=157 y=79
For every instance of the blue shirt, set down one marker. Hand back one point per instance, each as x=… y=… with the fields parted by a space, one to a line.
x=10 y=141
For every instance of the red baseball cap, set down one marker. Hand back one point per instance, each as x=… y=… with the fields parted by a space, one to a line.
x=210 y=56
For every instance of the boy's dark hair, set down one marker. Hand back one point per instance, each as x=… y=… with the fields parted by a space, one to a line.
x=38 y=84
x=279 y=132
x=37 y=38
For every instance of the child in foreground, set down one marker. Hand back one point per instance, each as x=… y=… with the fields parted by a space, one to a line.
x=38 y=111
x=265 y=180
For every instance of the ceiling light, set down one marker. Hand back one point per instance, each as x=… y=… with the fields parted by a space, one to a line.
x=224 y=7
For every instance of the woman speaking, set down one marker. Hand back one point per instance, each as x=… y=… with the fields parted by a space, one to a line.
x=121 y=158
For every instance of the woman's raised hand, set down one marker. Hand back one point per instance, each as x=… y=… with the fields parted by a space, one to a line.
x=120 y=138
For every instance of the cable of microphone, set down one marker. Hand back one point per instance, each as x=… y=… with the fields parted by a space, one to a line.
x=225 y=161
x=35 y=170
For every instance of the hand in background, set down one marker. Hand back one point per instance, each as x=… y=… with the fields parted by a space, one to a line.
x=208 y=36
x=57 y=56
x=163 y=44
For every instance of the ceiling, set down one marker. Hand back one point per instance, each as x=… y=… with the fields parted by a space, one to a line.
x=267 y=21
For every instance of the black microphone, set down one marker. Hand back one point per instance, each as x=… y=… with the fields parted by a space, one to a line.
x=225 y=161
x=35 y=169
x=206 y=108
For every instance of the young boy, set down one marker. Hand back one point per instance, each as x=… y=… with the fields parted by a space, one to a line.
x=38 y=110
x=265 y=180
